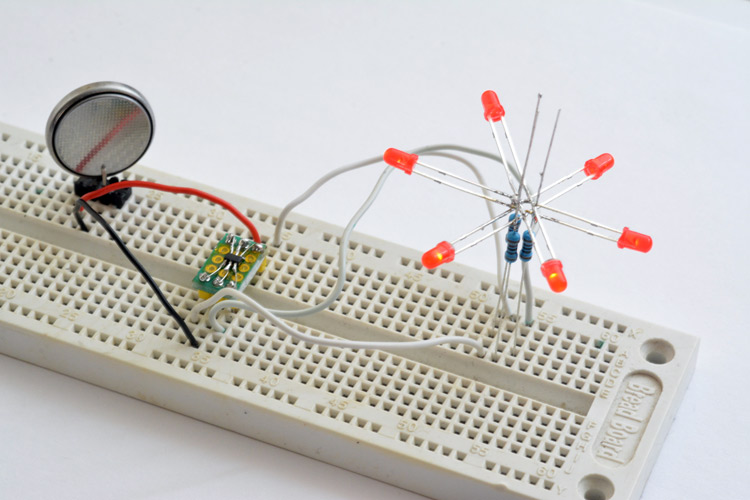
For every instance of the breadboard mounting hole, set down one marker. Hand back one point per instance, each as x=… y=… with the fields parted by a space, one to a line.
x=657 y=351
x=596 y=487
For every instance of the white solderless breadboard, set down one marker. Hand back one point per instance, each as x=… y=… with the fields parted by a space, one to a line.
x=577 y=409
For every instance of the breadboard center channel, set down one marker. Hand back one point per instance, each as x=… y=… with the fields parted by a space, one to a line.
x=577 y=408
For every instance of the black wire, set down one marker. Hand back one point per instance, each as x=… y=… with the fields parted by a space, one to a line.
x=139 y=267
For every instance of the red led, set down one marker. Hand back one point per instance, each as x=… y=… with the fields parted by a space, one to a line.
x=493 y=110
x=597 y=166
x=441 y=254
x=635 y=241
x=400 y=159
x=552 y=270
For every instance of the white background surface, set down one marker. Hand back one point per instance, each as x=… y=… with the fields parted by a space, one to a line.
x=266 y=97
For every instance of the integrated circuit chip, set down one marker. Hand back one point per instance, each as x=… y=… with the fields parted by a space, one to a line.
x=232 y=264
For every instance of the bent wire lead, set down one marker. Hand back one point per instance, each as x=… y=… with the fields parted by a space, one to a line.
x=524 y=204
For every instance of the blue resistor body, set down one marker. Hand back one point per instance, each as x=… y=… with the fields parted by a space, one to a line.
x=511 y=252
x=512 y=239
x=527 y=250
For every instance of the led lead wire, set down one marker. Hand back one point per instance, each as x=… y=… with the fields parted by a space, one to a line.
x=577 y=228
x=481 y=227
x=500 y=149
x=569 y=189
x=546 y=159
x=467 y=181
x=483 y=237
x=459 y=188
x=587 y=221
x=525 y=189
x=556 y=183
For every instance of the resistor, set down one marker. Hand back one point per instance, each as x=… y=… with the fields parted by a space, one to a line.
x=512 y=239
x=527 y=250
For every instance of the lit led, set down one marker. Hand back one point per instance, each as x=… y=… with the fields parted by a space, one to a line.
x=552 y=270
x=400 y=159
x=597 y=166
x=493 y=110
x=635 y=241
x=441 y=254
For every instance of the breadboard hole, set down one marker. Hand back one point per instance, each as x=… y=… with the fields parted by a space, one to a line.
x=395 y=386
x=34 y=146
x=354 y=246
x=408 y=390
x=517 y=417
x=440 y=272
x=398 y=303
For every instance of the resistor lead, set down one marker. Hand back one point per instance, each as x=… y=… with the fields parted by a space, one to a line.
x=527 y=249
x=515 y=222
x=511 y=256
x=512 y=239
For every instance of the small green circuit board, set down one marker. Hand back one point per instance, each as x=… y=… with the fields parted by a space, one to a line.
x=232 y=264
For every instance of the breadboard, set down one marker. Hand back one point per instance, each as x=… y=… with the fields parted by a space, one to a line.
x=578 y=407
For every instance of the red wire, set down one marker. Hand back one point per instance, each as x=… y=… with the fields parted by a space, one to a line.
x=175 y=189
